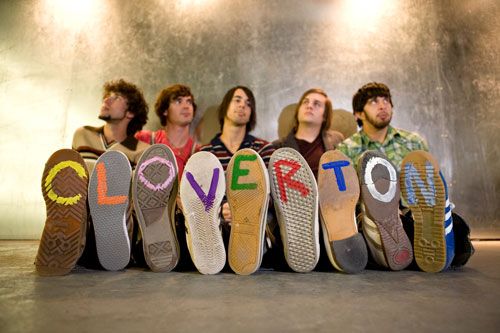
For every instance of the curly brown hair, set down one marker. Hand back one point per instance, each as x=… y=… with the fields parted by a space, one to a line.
x=169 y=94
x=366 y=92
x=136 y=104
x=327 y=116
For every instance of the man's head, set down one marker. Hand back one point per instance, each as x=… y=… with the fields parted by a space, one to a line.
x=238 y=107
x=123 y=101
x=314 y=108
x=372 y=103
x=175 y=105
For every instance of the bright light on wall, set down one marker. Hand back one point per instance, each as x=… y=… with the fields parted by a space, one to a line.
x=72 y=14
x=367 y=14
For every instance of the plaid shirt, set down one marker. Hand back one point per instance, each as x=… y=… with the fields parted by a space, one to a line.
x=397 y=144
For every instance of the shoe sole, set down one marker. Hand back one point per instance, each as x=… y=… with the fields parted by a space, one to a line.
x=247 y=190
x=345 y=247
x=154 y=178
x=108 y=195
x=296 y=204
x=428 y=209
x=202 y=190
x=380 y=194
x=64 y=188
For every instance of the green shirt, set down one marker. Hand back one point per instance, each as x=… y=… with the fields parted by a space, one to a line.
x=397 y=144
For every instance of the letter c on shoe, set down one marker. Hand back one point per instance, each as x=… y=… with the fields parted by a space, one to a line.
x=80 y=171
x=389 y=195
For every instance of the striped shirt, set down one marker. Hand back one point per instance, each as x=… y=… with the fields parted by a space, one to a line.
x=216 y=146
x=397 y=144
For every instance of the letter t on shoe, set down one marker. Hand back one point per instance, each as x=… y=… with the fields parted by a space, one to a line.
x=338 y=194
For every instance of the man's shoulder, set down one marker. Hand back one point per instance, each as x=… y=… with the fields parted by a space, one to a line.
x=406 y=133
x=88 y=129
x=409 y=135
x=352 y=141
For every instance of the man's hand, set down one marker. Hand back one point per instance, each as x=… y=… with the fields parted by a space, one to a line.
x=226 y=212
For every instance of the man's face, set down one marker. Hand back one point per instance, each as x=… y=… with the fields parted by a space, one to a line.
x=181 y=111
x=312 y=110
x=377 y=112
x=239 y=110
x=114 y=108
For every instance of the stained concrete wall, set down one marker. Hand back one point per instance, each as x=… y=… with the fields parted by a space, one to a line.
x=439 y=58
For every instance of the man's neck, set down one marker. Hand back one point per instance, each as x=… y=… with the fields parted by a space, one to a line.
x=375 y=134
x=177 y=135
x=307 y=133
x=232 y=136
x=115 y=132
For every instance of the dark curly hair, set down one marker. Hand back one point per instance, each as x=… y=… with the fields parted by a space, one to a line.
x=224 y=105
x=327 y=116
x=366 y=92
x=169 y=94
x=136 y=104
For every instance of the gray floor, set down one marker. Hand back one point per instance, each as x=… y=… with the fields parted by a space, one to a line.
x=465 y=300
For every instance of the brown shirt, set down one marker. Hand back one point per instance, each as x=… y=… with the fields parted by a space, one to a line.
x=90 y=143
x=312 y=151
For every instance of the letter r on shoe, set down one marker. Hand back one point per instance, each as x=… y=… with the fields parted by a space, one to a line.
x=285 y=180
x=102 y=188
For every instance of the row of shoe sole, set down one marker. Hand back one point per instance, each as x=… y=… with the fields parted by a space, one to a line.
x=292 y=186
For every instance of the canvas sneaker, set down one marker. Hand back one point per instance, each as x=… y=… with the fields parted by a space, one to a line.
x=295 y=194
x=108 y=195
x=201 y=191
x=380 y=193
x=247 y=191
x=425 y=191
x=154 y=193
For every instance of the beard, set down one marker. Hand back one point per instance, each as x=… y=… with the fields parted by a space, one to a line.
x=377 y=123
x=106 y=118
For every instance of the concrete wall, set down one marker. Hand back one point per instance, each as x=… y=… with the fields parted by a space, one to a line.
x=439 y=58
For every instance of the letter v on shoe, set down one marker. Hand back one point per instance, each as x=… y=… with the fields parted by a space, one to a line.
x=201 y=191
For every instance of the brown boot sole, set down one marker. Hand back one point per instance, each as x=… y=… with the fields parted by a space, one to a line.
x=337 y=201
x=64 y=188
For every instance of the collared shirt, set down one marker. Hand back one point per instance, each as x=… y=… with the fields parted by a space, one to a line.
x=90 y=143
x=216 y=146
x=397 y=144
